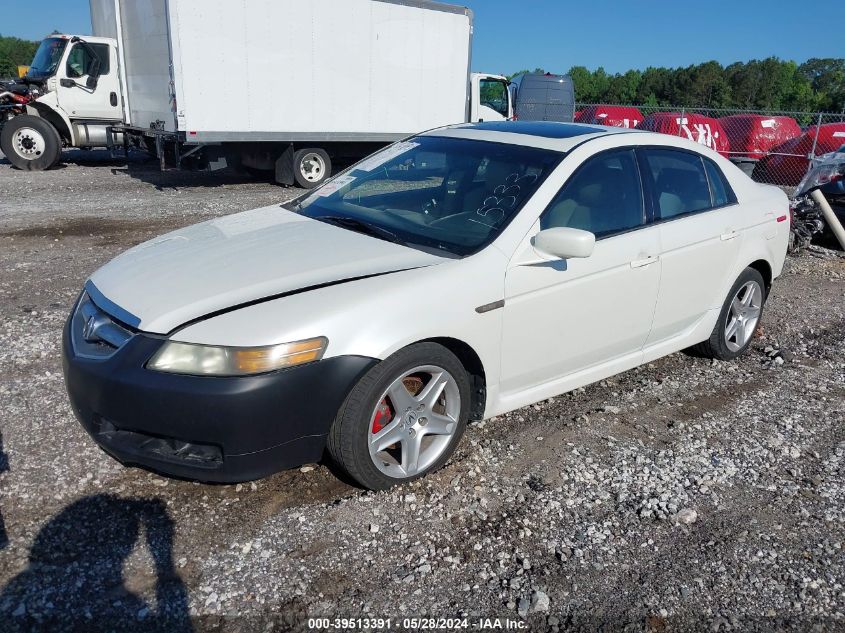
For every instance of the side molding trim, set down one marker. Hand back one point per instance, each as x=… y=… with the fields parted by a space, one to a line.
x=491 y=306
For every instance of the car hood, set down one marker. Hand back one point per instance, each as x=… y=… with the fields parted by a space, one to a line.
x=242 y=258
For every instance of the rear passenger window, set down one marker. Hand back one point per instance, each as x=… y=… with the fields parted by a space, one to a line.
x=604 y=197
x=719 y=188
x=680 y=182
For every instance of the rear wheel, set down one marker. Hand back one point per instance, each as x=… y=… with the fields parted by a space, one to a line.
x=30 y=143
x=311 y=167
x=403 y=419
x=738 y=319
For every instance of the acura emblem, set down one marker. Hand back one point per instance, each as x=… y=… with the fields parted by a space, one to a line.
x=92 y=324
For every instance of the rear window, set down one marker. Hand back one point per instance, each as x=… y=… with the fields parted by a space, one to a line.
x=720 y=189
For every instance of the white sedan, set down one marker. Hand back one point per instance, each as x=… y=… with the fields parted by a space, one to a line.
x=459 y=274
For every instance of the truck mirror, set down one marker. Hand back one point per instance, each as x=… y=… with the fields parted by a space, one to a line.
x=91 y=82
x=94 y=71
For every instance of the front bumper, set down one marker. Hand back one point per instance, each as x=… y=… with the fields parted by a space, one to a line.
x=205 y=428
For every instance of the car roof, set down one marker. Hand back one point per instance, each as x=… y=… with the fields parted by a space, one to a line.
x=560 y=137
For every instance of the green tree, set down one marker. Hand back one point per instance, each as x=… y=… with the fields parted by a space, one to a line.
x=827 y=78
x=15 y=52
x=767 y=84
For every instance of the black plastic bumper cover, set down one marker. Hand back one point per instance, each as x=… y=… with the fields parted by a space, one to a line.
x=206 y=428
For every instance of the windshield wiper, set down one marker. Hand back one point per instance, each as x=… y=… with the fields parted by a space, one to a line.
x=362 y=226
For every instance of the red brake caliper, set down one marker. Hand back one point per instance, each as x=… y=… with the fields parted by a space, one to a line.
x=382 y=416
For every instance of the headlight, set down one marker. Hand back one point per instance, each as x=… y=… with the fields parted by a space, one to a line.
x=206 y=360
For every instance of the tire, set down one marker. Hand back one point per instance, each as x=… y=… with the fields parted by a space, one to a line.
x=370 y=412
x=724 y=345
x=30 y=143
x=311 y=167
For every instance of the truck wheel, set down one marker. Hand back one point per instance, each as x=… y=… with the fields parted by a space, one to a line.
x=31 y=143
x=311 y=167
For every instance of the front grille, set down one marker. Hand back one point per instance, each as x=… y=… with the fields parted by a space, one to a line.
x=93 y=333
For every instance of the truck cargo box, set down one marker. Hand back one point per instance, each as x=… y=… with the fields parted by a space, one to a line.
x=282 y=70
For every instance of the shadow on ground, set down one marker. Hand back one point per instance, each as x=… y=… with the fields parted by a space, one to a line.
x=75 y=576
x=4 y=466
x=141 y=166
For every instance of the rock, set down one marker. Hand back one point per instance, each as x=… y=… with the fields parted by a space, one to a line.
x=540 y=602
x=522 y=609
x=611 y=409
x=410 y=498
x=306 y=469
x=687 y=516
x=374 y=528
x=21 y=610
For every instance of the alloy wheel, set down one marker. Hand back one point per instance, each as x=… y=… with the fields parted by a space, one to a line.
x=743 y=316
x=414 y=421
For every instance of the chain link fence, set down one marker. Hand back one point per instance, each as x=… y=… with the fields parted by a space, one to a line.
x=775 y=147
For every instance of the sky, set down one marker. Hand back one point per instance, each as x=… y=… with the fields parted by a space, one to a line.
x=619 y=35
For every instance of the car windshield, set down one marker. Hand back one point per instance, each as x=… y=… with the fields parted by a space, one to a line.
x=446 y=195
x=47 y=58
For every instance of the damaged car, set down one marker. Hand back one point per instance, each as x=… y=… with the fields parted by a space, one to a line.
x=458 y=274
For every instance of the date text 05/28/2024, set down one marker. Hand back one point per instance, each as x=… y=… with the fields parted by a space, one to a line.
x=416 y=624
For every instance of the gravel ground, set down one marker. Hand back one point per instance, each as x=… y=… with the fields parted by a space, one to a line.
x=684 y=495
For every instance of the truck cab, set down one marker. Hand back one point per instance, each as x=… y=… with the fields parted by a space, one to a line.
x=491 y=99
x=74 y=96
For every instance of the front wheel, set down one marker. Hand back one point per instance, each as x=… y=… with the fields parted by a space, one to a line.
x=738 y=318
x=403 y=419
x=30 y=143
x=311 y=167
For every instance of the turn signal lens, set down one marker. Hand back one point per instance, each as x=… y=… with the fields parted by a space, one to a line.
x=207 y=360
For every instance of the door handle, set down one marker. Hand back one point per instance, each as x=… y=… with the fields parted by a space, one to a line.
x=731 y=234
x=647 y=261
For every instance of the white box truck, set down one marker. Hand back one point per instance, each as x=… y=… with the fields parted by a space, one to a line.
x=278 y=85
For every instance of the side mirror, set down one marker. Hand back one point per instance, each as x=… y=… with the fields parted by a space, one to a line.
x=94 y=71
x=92 y=82
x=565 y=243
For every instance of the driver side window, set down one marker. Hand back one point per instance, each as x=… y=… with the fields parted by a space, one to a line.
x=80 y=62
x=604 y=196
x=494 y=94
